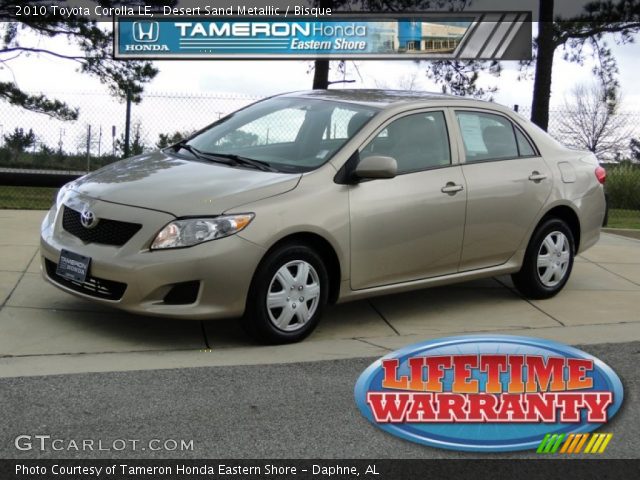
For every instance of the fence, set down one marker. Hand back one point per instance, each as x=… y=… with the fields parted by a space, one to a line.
x=617 y=146
x=612 y=142
x=97 y=138
x=31 y=141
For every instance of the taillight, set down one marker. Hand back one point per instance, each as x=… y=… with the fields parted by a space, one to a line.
x=601 y=175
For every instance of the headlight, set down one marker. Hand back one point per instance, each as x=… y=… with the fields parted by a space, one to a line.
x=192 y=231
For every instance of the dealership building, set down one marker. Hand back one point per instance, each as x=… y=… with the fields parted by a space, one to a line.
x=415 y=36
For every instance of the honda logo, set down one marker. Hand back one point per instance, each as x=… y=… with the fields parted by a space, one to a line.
x=146 y=31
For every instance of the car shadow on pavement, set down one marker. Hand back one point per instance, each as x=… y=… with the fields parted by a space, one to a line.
x=55 y=323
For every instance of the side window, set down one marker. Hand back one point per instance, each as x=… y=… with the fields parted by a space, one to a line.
x=487 y=136
x=524 y=147
x=417 y=142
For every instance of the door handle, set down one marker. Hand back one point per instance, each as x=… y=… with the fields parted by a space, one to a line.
x=537 y=176
x=451 y=188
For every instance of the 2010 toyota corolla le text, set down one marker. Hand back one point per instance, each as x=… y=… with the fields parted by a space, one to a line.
x=310 y=198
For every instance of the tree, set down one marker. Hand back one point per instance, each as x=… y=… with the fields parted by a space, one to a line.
x=634 y=147
x=44 y=154
x=455 y=76
x=28 y=35
x=590 y=121
x=459 y=77
x=580 y=36
x=409 y=82
x=239 y=138
x=588 y=28
x=321 y=66
x=167 y=139
x=18 y=141
x=136 y=145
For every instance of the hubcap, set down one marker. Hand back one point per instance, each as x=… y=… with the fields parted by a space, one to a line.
x=294 y=293
x=553 y=259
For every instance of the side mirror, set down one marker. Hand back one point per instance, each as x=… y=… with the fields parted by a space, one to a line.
x=376 y=167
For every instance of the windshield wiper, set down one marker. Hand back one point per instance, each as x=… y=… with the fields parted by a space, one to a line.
x=199 y=154
x=226 y=158
x=183 y=145
x=249 y=162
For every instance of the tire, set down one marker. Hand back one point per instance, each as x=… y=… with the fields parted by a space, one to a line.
x=273 y=314
x=547 y=262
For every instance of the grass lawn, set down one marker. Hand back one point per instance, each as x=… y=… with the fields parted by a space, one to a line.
x=27 y=198
x=624 y=218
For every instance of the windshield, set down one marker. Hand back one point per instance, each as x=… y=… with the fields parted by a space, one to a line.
x=286 y=133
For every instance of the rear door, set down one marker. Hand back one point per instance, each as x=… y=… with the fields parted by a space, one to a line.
x=508 y=184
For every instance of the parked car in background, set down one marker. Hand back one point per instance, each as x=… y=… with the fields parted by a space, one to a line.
x=311 y=198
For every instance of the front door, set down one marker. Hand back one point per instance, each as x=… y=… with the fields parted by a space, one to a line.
x=409 y=227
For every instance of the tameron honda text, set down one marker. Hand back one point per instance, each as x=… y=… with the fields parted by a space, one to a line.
x=488 y=393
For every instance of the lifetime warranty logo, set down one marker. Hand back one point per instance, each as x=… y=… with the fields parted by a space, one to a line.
x=574 y=443
x=492 y=393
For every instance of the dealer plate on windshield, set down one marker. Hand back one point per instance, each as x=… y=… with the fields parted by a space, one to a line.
x=73 y=266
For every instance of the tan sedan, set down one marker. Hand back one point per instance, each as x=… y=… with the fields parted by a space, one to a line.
x=311 y=198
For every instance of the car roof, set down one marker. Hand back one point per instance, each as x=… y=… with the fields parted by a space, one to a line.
x=380 y=98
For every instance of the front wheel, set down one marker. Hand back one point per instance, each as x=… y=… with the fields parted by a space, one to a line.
x=548 y=261
x=287 y=296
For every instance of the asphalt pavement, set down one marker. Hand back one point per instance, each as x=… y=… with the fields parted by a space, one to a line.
x=296 y=410
x=86 y=381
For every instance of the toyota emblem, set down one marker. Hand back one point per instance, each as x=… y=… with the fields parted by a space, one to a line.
x=88 y=218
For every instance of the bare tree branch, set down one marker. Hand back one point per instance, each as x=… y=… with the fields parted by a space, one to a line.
x=591 y=122
x=40 y=50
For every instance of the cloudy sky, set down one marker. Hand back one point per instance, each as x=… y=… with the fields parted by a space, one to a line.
x=59 y=79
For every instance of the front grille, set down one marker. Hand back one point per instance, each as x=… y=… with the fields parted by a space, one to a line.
x=96 y=287
x=107 y=232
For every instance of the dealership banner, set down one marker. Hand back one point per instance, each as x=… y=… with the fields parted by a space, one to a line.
x=505 y=36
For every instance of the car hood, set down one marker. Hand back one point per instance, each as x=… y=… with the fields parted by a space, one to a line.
x=181 y=187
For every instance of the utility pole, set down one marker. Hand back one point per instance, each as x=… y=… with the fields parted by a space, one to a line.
x=127 y=125
x=113 y=141
x=88 y=148
x=60 y=141
x=100 y=141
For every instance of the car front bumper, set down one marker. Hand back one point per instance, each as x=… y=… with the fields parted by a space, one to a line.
x=221 y=270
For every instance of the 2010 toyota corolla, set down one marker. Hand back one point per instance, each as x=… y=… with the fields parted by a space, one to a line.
x=310 y=198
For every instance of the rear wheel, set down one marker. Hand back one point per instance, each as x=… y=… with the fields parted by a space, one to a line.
x=548 y=261
x=287 y=296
